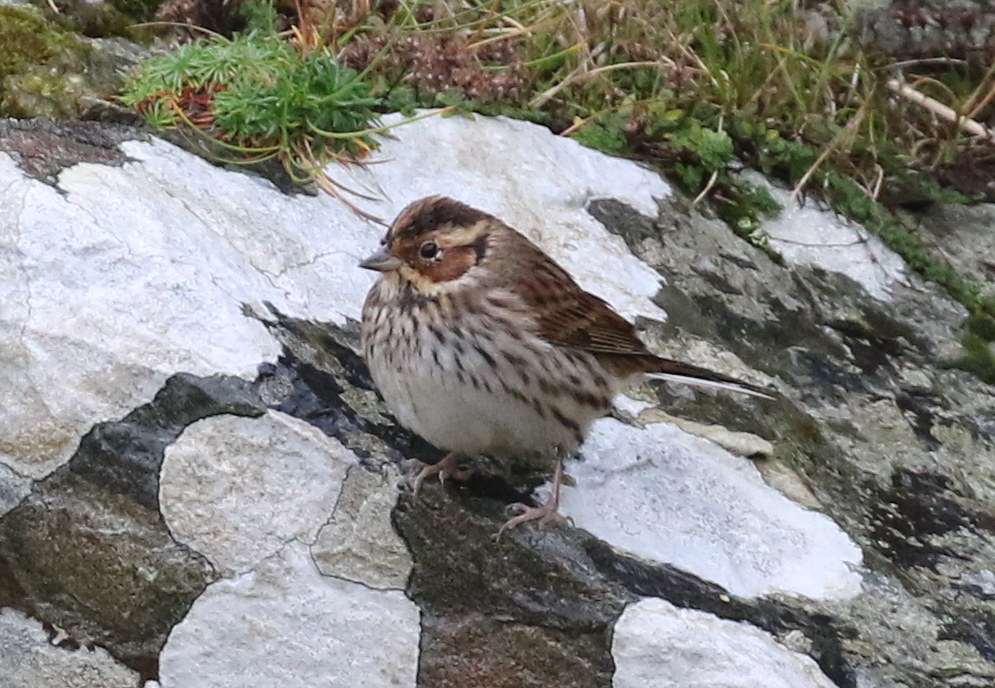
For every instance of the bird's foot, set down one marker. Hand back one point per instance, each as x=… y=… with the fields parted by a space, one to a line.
x=548 y=513
x=449 y=467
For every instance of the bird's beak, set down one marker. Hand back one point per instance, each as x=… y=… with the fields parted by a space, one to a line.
x=382 y=261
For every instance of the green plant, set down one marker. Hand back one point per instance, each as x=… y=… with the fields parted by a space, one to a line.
x=259 y=97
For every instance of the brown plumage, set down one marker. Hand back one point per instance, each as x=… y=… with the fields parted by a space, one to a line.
x=482 y=344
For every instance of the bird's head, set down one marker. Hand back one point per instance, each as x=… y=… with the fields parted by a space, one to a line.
x=434 y=242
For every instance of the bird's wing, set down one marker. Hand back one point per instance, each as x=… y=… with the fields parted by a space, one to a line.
x=566 y=315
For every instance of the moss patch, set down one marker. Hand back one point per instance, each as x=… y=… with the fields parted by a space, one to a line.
x=40 y=66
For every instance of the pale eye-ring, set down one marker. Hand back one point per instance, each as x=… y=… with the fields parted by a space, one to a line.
x=429 y=250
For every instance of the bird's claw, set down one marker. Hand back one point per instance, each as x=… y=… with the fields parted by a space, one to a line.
x=447 y=468
x=547 y=514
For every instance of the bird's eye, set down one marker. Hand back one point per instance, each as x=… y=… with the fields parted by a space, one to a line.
x=429 y=250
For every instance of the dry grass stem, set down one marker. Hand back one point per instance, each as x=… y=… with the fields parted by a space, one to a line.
x=969 y=125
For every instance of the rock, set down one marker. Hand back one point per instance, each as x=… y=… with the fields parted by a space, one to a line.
x=530 y=610
x=807 y=235
x=98 y=565
x=238 y=489
x=525 y=186
x=27 y=658
x=359 y=543
x=13 y=488
x=283 y=625
x=965 y=237
x=667 y=496
x=87 y=550
x=657 y=645
x=127 y=456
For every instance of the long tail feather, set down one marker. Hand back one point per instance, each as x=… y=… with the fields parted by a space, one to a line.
x=685 y=373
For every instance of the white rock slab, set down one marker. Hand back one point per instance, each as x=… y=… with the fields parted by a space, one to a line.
x=238 y=489
x=657 y=645
x=283 y=625
x=29 y=660
x=807 y=235
x=107 y=289
x=359 y=542
x=671 y=497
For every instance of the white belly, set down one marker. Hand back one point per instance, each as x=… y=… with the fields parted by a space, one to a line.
x=472 y=407
x=459 y=416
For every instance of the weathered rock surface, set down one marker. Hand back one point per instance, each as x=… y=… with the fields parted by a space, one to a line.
x=285 y=624
x=657 y=645
x=879 y=573
x=29 y=660
x=669 y=497
x=238 y=489
x=359 y=543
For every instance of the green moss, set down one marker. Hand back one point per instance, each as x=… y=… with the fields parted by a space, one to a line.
x=138 y=10
x=40 y=66
x=982 y=325
x=977 y=358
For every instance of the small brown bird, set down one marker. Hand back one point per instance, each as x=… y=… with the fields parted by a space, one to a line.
x=481 y=344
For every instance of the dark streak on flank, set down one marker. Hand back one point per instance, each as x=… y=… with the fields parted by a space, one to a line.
x=569 y=425
x=486 y=356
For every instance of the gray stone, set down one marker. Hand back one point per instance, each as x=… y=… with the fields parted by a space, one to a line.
x=13 y=488
x=965 y=237
x=667 y=496
x=284 y=625
x=237 y=489
x=358 y=543
x=657 y=645
x=99 y=565
x=29 y=660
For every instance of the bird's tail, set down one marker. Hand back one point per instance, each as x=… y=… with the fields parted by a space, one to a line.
x=685 y=373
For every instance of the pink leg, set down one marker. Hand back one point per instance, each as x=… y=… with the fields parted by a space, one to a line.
x=545 y=514
x=449 y=467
